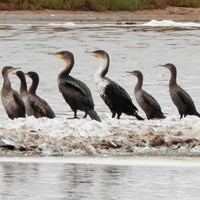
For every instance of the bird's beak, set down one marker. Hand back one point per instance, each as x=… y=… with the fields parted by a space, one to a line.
x=128 y=72
x=161 y=65
x=60 y=56
x=14 y=69
x=95 y=55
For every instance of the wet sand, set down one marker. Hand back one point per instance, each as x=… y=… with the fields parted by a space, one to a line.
x=170 y=13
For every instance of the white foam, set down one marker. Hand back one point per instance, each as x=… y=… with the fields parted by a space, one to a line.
x=156 y=23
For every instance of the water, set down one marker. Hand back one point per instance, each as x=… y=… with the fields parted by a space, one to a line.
x=139 y=179
x=30 y=46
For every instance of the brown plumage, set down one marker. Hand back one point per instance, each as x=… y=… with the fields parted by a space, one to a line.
x=11 y=100
x=146 y=101
x=180 y=97
x=32 y=90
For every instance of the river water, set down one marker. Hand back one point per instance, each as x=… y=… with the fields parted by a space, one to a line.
x=105 y=178
x=30 y=46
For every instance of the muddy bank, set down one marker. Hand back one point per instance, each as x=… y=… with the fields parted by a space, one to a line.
x=171 y=13
x=28 y=142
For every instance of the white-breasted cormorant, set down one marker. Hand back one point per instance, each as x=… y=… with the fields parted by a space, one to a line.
x=145 y=100
x=114 y=96
x=11 y=100
x=180 y=97
x=32 y=104
x=75 y=92
x=32 y=90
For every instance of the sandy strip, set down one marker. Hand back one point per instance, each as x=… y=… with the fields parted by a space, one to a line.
x=170 y=13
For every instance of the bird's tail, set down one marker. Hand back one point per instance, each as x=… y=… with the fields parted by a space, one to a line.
x=93 y=115
x=138 y=116
x=197 y=114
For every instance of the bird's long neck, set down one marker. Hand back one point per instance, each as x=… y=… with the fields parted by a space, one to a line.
x=34 y=85
x=67 y=69
x=6 y=83
x=103 y=68
x=23 y=86
x=139 y=83
x=172 y=81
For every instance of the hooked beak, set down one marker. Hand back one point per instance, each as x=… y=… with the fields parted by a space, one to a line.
x=14 y=69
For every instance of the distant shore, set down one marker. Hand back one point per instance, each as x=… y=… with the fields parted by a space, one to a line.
x=169 y=13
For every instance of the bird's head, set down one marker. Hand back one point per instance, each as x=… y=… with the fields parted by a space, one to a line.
x=8 y=69
x=99 y=54
x=65 y=55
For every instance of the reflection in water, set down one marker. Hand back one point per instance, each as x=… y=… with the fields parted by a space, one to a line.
x=82 y=181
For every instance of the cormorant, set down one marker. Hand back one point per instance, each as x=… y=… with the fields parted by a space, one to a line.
x=32 y=104
x=114 y=96
x=180 y=97
x=75 y=92
x=32 y=90
x=146 y=101
x=11 y=100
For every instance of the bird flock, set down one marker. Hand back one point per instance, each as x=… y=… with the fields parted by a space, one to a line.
x=79 y=97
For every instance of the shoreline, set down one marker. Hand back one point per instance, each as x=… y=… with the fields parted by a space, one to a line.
x=169 y=13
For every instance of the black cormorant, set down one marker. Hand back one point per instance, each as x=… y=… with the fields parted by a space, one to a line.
x=180 y=97
x=75 y=92
x=32 y=90
x=146 y=101
x=114 y=96
x=32 y=104
x=11 y=100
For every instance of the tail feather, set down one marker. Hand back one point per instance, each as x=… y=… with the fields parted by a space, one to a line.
x=93 y=115
x=138 y=116
x=197 y=114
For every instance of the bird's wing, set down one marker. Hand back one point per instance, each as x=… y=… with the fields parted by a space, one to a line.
x=76 y=89
x=37 y=107
x=117 y=92
x=150 y=100
x=184 y=96
x=18 y=99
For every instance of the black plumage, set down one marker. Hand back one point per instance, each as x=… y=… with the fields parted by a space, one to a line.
x=75 y=92
x=145 y=100
x=114 y=96
x=180 y=97
x=11 y=100
x=32 y=90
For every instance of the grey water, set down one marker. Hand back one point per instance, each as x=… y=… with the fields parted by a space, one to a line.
x=33 y=181
x=30 y=46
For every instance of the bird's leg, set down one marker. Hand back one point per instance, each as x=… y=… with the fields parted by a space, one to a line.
x=113 y=115
x=75 y=114
x=118 y=115
x=181 y=115
x=85 y=115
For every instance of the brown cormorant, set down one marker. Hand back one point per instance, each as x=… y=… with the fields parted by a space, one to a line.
x=114 y=96
x=75 y=92
x=32 y=90
x=11 y=100
x=146 y=101
x=32 y=104
x=180 y=97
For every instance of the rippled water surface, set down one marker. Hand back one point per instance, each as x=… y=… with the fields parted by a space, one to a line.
x=29 y=46
x=93 y=181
